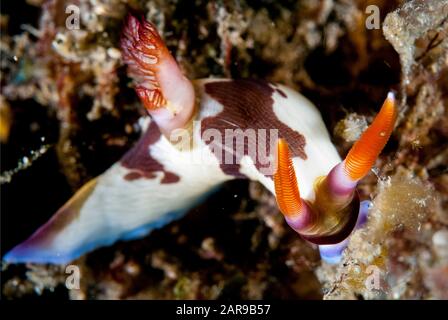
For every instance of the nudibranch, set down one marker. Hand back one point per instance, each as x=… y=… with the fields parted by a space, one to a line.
x=200 y=134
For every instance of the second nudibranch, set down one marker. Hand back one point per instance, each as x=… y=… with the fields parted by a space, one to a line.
x=200 y=134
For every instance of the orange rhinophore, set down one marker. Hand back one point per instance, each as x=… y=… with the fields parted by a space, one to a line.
x=334 y=210
x=364 y=152
x=286 y=188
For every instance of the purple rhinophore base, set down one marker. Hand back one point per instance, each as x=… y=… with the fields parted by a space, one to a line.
x=332 y=253
x=339 y=183
x=302 y=221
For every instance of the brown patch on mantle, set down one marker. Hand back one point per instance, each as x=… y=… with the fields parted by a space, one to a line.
x=140 y=161
x=248 y=104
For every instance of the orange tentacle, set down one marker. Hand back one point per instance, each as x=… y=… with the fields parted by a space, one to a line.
x=364 y=152
x=285 y=182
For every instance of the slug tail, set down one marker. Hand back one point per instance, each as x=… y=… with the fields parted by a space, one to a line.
x=42 y=246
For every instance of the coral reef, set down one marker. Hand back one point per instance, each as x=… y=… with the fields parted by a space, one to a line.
x=65 y=91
